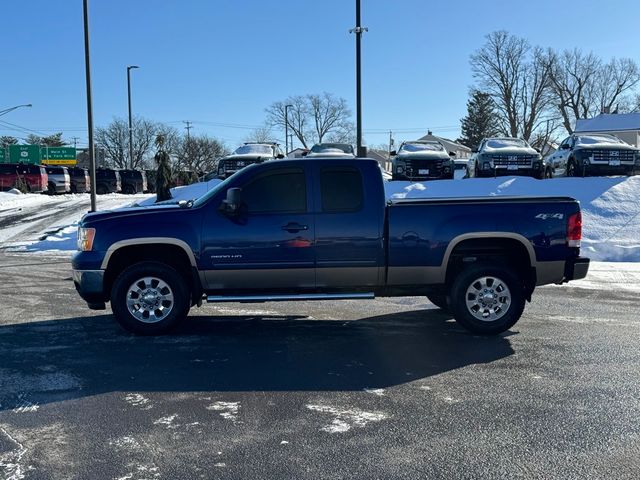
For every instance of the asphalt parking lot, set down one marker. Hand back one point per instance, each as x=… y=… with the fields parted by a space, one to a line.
x=390 y=388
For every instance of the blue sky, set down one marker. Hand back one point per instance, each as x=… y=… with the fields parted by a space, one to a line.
x=219 y=63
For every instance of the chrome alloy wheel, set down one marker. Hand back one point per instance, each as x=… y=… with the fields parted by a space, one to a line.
x=149 y=299
x=488 y=299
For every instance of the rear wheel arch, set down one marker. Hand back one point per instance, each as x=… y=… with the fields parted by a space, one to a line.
x=499 y=248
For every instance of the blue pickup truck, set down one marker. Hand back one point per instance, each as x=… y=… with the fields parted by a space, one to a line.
x=322 y=229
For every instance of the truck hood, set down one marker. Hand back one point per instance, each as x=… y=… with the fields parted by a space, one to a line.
x=510 y=151
x=97 y=217
x=247 y=156
x=425 y=155
x=605 y=146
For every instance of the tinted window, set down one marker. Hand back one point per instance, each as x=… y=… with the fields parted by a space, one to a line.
x=282 y=190
x=7 y=169
x=341 y=189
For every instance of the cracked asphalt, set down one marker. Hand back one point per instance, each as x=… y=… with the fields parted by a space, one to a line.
x=390 y=388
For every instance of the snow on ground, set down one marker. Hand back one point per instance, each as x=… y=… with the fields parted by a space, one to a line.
x=610 y=206
x=616 y=275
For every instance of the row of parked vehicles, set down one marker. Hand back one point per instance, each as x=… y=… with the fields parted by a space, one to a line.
x=578 y=155
x=54 y=179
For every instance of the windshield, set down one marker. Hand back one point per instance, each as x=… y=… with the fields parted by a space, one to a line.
x=593 y=139
x=506 y=143
x=254 y=149
x=220 y=186
x=332 y=147
x=421 y=147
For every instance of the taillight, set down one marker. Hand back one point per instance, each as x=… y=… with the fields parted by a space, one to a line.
x=574 y=229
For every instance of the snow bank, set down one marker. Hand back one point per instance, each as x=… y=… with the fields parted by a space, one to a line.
x=188 y=192
x=610 y=206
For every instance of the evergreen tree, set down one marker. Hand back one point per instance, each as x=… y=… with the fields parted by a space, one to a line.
x=481 y=120
x=163 y=176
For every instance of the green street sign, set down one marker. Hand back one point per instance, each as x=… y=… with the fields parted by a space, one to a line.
x=3 y=155
x=24 y=154
x=58 y=155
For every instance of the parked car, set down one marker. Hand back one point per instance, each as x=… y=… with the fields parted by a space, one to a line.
x=247 y=154
x=108 y=181
x=323 y=229
x=151 y=180
x=59 y=179
x=34 y=178
x=133 y=181
x=505 y=156
x=422 y=160
x=80 y=180
x=581 y=155
x=343 y=150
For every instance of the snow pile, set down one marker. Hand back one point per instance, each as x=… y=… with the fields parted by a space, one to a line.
x=188 y=192
x=610 y=206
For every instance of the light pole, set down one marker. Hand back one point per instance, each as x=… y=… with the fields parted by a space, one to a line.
x=7 y=110
x=129 y=68
x=359 y=30
x=286 y=129
x=87 y=66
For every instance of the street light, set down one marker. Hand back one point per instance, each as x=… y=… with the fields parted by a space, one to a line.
x=359 y=30
x=129 y=68
x=87 y=70
x=286 y=129
x=7 y=110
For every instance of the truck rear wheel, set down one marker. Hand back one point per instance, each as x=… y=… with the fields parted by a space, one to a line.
x=487 y=299
x=149 y=298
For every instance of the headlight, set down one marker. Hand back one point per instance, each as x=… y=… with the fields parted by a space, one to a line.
x=586 y=161
x=486 y=166
x=637 y=158
x=399 y=169
x=536 y=165
x=85 y=238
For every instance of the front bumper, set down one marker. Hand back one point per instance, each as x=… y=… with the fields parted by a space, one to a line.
x=606 y=169
x=576 y=268
x=504 y=172
x=90 y=286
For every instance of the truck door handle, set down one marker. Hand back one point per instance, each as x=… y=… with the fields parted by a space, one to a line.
x=294 y=227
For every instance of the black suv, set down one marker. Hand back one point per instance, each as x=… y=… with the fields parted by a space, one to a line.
x=80 y=180
x=108 y=181
x=594 y=154
x=422 y=160
x=133 y=181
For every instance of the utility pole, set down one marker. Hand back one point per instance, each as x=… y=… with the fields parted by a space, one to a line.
x=359 y=30
x=291 y=140
x=390 y=142
x=75 y=141
x=87 y=66
x=129 y=68
x=187 y=128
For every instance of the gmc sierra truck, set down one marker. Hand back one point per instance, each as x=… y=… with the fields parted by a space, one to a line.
x=322 y=229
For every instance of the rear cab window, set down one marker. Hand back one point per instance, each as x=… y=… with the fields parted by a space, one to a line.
x=341 y=190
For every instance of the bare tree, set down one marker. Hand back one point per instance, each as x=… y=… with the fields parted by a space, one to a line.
x=114 y=139
x=7 y=140
x=262 y=135
x=517 y=79
x=199 y=154
x=313 y=118
x=614 y=80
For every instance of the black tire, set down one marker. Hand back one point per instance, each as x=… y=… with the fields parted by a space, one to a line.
x=74 y=189
x=128 y=190
x=51 y=188
x=101 y=189
x=507 y=317
x=548 y=174
x=573 y=170
x=178 y=307
x=439 y=300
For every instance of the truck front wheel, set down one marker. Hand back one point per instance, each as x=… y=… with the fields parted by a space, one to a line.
x=149 y=298
x=487 y=299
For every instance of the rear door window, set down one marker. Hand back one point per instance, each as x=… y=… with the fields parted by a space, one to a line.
x=341 y=189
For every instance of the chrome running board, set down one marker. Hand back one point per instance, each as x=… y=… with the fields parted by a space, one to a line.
x=289 y=297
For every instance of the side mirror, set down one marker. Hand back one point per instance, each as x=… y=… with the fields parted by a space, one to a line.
x=393 y=153
x=474 y=151
x=564 y=146
x=305 y=153
x=452 y=154
x=231 y=205
x=280 y=156
x=538 y=150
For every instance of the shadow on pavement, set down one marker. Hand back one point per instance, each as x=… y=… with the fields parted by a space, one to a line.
x=78 y=357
